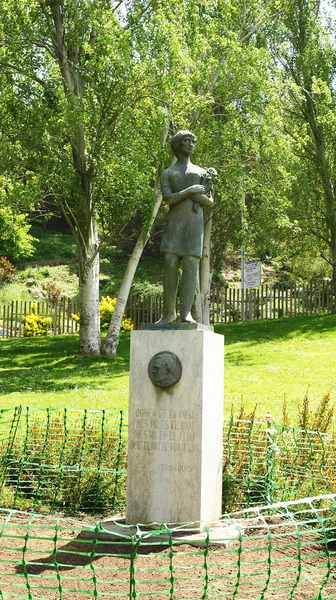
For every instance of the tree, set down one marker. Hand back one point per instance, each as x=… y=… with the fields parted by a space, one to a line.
x=18 y=184
x=303 y=45
x=218 y=43
x=233 y=111
x=94 y=74
x=112 y=338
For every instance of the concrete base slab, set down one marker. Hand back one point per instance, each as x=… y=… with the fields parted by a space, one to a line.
x=221 y=533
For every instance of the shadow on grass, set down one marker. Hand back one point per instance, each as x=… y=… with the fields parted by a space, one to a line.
x=261 y=332
x=49 y=364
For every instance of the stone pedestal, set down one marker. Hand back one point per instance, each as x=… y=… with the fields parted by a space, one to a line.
x=175 y=438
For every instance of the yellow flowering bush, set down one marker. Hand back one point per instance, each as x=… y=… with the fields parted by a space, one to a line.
x=35 y=325
x=107 y=306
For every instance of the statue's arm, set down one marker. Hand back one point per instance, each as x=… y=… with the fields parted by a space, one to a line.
x=203 y=200
x=173 y=198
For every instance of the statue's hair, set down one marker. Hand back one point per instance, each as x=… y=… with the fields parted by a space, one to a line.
x=178 y=137
x=168 y=362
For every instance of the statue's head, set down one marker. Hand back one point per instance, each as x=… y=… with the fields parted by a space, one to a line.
x=175 y=142
x=165 y=369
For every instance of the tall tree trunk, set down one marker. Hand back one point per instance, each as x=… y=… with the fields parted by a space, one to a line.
x=81 y=220
x=323 y=165
x=206 y=270
x=202 y=300
x=333 y=261
x=111 y=342
x=89 y=339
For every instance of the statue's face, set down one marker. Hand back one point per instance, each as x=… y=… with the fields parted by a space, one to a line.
x=165 y=369
x=160 y=371
x=187 y=145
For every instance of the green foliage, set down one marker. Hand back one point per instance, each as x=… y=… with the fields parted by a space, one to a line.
x=35 y=325
x=147 y=288
x=7 y=271
x=15 y=240
x=303 y=42
x=318 y=419
x=52 y=245
x=107 y=307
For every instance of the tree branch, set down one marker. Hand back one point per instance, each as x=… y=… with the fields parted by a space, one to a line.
x=29 y=75
x=326 y=259
x=139 y=16
x=117 y=6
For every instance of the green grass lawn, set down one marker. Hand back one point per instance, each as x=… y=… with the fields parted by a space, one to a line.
x=42 y=372
x=265 y=361
x=269 y=361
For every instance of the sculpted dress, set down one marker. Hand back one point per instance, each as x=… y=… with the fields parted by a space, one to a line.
x=184 y=227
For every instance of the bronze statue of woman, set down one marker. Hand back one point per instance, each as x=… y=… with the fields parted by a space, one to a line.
x=187 y=189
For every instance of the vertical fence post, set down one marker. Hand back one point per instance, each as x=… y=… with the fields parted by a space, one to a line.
x=327 y=296
x=250 y=304
x=271 y=449
x=3 y=321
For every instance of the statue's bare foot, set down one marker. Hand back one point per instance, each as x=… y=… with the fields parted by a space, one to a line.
x=188 y=319
x=166 y=319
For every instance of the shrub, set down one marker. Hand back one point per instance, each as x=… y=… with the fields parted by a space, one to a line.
x=53 y=292
x=145 y=288
x=107 y=306
x=15 y=240
x=7 y=270
x=35 y=325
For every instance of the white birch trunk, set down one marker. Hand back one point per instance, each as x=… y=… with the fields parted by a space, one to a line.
x=111 y=342
x=89 y=338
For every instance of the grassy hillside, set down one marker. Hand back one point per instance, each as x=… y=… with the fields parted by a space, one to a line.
x=50 y=246
x=265 y=361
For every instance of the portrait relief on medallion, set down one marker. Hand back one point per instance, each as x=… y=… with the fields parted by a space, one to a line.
x=165 y=369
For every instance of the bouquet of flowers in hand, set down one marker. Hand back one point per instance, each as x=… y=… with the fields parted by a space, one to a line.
x=209 y=184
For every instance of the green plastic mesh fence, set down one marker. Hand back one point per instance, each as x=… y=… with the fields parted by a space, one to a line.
x=285 y=550
x=266 y=463
x=75 y=461
x=63 y=460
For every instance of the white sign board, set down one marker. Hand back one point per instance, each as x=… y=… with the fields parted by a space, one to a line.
x=252 y=274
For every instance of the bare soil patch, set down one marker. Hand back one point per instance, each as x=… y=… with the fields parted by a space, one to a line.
x=44 y=557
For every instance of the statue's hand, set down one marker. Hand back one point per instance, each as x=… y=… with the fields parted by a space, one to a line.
x=196 y=189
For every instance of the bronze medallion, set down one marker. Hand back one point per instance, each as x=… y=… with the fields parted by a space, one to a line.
x=165 y=369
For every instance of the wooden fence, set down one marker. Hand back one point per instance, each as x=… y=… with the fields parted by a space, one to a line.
x=230 y=304
x=12 y=316
x=226 y=305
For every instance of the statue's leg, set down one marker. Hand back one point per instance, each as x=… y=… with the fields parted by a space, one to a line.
x=190 y=266
x=170 y=284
